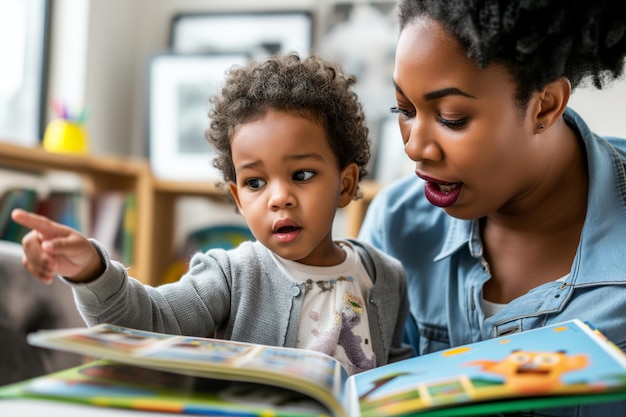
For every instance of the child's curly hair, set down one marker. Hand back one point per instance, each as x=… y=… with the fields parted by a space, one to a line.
x=311 y=87
x=538 y=41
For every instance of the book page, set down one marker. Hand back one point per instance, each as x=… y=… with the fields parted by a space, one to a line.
x=112 y=384
x=567 y=359
x=313 y=373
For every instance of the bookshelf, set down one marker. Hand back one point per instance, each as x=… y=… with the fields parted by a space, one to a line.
x=165 y=195
x=356 y=209
x=155 y=198
x=103 y=174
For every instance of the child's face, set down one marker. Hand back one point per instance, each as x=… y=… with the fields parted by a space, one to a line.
x=289 y=186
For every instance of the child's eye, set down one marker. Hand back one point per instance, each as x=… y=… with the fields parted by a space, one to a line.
x=254 y=183
x=303 y=175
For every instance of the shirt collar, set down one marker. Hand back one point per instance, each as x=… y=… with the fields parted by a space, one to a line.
x=459 y=233
x=600 y=252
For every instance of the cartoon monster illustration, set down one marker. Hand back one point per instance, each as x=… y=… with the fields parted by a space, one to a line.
x=533 y=372
x=351 y=317
x=343 y=335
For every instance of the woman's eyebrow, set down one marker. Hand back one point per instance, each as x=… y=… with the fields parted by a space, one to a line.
x=444 y=92
x=437 y=94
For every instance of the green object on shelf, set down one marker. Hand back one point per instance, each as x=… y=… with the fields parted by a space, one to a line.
x=221 y=237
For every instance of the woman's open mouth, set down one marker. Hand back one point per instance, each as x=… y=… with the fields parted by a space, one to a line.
x=441 y=194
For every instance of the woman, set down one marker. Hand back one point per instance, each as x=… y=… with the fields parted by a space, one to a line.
x=518 y=217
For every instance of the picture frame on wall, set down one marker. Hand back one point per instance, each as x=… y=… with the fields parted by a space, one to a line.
x=180 y=86
x=362 y=36
x=257 y=34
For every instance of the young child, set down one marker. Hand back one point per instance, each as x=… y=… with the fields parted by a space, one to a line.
x=292 y=145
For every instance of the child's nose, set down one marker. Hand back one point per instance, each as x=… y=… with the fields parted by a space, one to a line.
x=281 y=196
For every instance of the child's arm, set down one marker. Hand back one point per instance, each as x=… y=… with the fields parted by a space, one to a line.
x=53 y=249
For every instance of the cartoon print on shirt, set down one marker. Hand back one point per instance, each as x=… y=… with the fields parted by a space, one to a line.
x=342 y=333
x=350 y=317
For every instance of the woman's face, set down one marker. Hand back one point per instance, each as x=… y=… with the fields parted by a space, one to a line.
x=470 y=142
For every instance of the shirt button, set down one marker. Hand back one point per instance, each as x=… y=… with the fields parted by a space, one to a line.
x=295 y=291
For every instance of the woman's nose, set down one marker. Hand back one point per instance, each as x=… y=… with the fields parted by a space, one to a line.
x=420 y=141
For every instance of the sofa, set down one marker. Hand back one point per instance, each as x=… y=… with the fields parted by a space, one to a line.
x=28 y=305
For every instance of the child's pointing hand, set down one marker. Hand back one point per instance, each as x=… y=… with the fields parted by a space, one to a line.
x=53 y=249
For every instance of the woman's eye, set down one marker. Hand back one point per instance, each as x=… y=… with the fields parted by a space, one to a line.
x=254 y=183
x=303 y=175
x=453 y=123
x=403 y=112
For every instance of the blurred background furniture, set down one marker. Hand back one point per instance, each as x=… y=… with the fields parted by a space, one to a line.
x=28 y=305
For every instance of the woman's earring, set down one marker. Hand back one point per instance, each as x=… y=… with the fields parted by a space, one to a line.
x=541 y=126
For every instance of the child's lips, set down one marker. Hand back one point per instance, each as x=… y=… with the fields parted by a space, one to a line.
x=286 y=230
x=284 y=225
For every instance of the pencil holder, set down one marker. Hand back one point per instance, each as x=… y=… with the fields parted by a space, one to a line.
x=64 y=136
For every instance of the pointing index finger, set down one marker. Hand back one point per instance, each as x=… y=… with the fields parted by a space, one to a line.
x=37 y=222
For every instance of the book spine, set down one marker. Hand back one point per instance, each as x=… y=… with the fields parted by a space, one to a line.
x=129 y=229
x=107 y=220
x=18 y=198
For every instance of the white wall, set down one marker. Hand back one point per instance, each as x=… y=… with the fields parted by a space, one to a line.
x=604 y=110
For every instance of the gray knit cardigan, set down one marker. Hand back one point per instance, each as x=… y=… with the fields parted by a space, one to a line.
x=240 y=294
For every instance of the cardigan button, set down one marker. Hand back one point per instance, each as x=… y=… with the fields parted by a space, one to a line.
x=295 y=291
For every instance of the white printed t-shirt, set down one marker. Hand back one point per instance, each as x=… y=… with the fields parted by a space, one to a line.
x=334 y=318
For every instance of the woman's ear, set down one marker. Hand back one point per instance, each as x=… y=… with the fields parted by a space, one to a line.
x=235 y=193
x=551 y=103
x=349 y=182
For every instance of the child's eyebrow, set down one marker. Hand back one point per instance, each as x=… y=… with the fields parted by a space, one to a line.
x=247 y=165
x=293 y=157
x=299 y=157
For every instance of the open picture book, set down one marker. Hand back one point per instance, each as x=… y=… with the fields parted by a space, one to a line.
x=565 y=364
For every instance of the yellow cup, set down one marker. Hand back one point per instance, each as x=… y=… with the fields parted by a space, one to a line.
x=63 y=136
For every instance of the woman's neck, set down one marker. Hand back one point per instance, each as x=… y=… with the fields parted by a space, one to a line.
x=536 y=242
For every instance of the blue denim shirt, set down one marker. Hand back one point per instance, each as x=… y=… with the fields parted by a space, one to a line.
x=443 y=260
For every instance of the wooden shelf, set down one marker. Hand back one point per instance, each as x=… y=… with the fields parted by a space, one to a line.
x=156 y=199
x=165 y=196
x=193 y=188
x=356 y=209
x=106 y=170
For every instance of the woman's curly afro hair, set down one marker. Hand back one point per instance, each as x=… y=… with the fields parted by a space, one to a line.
x=310 y=87
x=538 y=41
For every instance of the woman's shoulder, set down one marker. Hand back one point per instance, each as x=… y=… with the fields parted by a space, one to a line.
x=590 y=137
x=619 y=144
